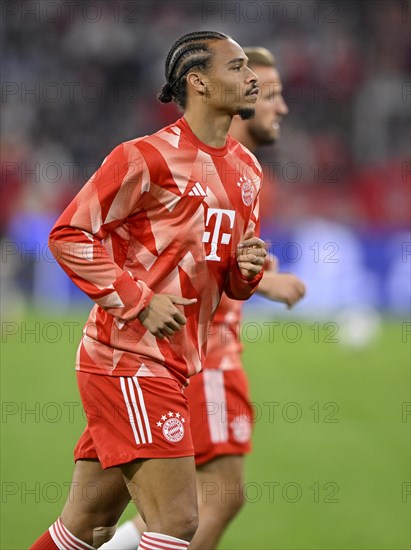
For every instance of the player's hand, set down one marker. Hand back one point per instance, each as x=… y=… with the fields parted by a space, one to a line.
x=251 y=253
x=281 y=287
x=161 y=317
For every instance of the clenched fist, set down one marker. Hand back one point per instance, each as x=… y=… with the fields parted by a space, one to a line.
x=251 y=253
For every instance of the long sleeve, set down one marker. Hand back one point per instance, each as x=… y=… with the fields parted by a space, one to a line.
x=238 y=287
x=102 y=209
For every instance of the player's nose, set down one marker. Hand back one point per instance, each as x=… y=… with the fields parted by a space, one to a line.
x=251 y=76
x=281 y=106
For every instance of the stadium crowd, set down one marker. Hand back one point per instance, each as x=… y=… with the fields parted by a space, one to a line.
x=345 y=65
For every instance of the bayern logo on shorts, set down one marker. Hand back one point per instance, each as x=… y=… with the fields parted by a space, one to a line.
x=173 y=430
x=241 y=428
x=172 y=425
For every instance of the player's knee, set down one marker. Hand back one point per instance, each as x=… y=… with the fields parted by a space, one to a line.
x=187 y=524
x=182 y=526
x=188 y=528
x=103 y=534
x=191 y=525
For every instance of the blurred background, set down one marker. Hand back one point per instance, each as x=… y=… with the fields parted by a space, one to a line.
x=80 y=77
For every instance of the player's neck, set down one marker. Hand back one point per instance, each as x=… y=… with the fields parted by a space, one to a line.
x=245 y=139
x=238 y=130
x=211 y=129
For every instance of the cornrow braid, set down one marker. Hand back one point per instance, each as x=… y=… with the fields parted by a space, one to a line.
x=189 y=51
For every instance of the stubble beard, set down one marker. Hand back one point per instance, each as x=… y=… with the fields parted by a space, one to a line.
x=246 y=113
x=262 y=137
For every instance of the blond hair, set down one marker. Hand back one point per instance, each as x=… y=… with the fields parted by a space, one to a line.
x=259 y=56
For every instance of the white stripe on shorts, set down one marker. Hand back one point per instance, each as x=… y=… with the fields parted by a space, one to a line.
x=136 y=409
x=215 y=394
x=143 y=409
x=129 y=410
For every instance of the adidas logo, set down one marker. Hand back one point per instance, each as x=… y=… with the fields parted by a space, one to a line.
x=197 y=191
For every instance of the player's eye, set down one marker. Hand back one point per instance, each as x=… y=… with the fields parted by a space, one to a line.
x=237 y=68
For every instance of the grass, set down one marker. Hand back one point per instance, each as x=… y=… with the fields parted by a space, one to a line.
x=330 y=466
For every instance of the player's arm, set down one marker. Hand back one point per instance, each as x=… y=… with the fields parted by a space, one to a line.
x=109 y=198
x=247 y=265
x=280 y=287
x=246 y=268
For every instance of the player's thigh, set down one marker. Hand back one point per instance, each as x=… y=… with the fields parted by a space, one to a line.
x=220 y=482
x=164 y=491
x=97 y=497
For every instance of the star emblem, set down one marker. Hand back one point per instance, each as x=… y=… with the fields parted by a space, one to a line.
x=178 y=415
x=164 y=417
x=159 y=424
x=170 y=414
x=183 y=420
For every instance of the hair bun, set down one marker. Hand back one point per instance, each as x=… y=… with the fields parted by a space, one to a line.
x=166 y=94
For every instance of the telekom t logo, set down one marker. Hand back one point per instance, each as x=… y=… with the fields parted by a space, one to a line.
x=216 y=239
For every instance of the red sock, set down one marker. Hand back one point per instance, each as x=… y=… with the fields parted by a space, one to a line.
x=59 y=537
x=45 y=542
x=158 y=541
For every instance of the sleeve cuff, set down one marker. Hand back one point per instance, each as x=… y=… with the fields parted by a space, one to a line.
x=255 y=280
x=134 y=294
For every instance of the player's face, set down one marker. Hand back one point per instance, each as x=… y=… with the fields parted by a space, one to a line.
x=231 y=85
x=270 y=107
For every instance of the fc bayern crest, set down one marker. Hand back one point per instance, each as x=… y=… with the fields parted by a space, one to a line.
x=241 y=428
x=247 y=191
x=172 y=425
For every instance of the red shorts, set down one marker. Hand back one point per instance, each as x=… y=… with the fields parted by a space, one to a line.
x=133 y=417
x=221 y=415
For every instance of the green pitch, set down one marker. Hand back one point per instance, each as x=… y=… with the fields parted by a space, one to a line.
x=330 y=467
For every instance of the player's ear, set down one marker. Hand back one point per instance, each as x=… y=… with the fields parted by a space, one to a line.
x=195 y=80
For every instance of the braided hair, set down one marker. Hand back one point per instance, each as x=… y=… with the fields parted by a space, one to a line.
x=191 y=50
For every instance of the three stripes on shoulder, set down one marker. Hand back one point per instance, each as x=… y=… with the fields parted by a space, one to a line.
x=197 y=191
